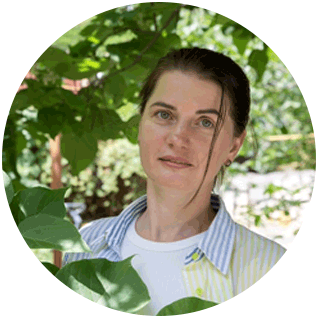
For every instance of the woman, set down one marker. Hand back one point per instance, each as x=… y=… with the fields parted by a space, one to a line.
x=195 y=108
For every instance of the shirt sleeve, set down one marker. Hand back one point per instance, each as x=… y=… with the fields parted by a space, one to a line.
x=90 y=233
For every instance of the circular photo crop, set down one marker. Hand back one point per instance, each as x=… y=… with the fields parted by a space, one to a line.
x=158 y=158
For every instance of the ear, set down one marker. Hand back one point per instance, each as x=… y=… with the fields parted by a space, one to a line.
x=236 y=146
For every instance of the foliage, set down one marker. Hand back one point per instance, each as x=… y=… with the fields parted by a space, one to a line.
x=110 y=55
x=39 y=214
x=114 y=52
x=276 y=199
x=114 y=285
x=185 y=305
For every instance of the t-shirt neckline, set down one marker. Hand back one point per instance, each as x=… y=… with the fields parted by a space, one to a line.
x=141 y=242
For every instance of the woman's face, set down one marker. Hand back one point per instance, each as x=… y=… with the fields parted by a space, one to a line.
x=176 y=130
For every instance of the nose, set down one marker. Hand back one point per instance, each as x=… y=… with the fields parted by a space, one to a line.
x=179 y=136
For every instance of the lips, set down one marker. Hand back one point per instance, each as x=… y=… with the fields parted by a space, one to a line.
x=177 y=160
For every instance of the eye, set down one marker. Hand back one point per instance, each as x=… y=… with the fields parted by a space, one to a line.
x=163 y=115
x=206 y=123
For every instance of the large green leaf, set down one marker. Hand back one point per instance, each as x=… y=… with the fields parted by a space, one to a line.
x=131 y=129
x=8 y=187
x=72 y=100
x=107 y=124
x=258 y=60
x=50 y=267
x=47 y=231
x=80 y=151
x=51 y=120
x=40 y=200
x=115 y=87
x=241 y=37
x=114 y=285
x=21 y=101
x=54 y=56
x=185 y=306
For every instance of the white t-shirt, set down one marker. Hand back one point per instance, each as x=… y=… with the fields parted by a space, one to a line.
x=159 y=266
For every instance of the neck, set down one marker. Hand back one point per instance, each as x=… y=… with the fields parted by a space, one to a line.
x=168 y=218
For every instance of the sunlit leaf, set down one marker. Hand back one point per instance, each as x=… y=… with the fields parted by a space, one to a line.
x=39 y=200
x=50 y=232
x=112 y=284
x=185 y=305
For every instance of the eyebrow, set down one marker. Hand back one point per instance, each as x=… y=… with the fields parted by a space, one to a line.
x=200 y=111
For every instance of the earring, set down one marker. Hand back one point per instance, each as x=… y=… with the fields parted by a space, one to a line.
x=228 y=163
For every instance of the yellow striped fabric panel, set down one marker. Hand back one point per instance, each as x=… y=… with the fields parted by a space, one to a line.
x=205 y=281
x=253 y=257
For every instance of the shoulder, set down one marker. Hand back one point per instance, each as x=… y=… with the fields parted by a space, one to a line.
x=92 y=233
x=95 y=229
x=246 y=239
x=253 y=256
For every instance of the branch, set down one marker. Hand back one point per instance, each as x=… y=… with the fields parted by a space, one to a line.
x=154 y=18
x=148 y=46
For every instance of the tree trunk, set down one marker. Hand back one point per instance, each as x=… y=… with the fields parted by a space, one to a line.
x=56 y=172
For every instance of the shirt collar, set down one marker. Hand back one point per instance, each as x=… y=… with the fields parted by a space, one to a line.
x=217 y=244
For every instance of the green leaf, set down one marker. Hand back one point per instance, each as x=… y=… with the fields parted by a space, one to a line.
x=185 y=305
x=272 y=188
x=257 y=220
x=51 y=120
x=40 y=200
x=50 y=267
x=53 y=57
x=72 y=100
x=47 y=231
x=221 y=19
x=115 y=87
x=258 y=60
x=8 y=187
x=20 y=142
x=131 y=129
x=70 y=67
x=104 y=124
x=112 y=284
x=80 y=151
x=241 y=37
x=21 y=101
x=49 y=98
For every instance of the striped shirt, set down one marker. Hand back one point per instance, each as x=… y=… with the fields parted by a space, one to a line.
x=228 y=259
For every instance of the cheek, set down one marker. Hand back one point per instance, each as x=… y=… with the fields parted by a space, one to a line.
x=150 y=141
x=220 y=151
x=148 y=133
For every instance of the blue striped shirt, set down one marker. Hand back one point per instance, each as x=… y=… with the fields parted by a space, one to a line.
x=228 y=259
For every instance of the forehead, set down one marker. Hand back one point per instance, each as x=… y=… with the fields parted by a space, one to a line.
x=186 y=91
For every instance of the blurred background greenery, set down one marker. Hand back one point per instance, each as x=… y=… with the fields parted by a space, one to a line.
x=85 y=87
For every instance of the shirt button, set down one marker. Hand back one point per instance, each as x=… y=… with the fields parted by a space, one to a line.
x=199 y=291
x=195 y=256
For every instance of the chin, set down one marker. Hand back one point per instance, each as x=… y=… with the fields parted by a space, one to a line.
x=171 y=182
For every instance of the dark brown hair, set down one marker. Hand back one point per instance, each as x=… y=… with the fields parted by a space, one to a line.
x=210 y=66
